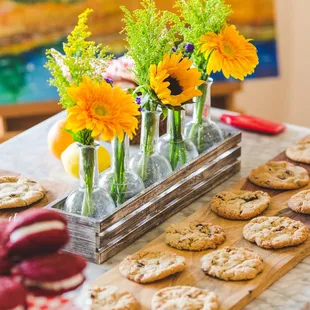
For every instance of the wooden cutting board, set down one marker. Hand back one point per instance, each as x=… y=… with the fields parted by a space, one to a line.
x=53 y=191
x=232 y=295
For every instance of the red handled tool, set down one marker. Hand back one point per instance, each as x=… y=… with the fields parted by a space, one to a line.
x=253 y=123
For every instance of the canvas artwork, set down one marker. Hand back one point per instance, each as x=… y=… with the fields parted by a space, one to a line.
x=28 y=27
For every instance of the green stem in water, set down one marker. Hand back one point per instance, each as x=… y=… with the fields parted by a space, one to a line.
x=177 y=149
x=88 y=163
x=147 y=141
x=118 y=187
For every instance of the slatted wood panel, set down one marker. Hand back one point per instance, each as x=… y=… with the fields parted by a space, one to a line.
x=232 y=295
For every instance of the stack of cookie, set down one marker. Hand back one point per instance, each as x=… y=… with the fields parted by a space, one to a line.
x=30 y=260
x=228 y=263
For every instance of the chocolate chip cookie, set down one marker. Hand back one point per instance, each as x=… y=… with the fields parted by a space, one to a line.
x=279 y=175
x=274 y=232
x=300 y=202
x=194 y=236
x=240 y=205
x=232 y=264
x=145 y=267
x=184 y=297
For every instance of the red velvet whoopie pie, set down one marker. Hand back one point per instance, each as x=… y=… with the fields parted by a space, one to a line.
x=51 y=274
x=36 y=231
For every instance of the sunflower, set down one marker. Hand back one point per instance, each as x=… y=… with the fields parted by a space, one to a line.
x=103 y=109
x=174 y=81
x=229 y=52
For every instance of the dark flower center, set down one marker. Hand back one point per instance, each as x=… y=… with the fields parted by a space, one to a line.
x=174 y=87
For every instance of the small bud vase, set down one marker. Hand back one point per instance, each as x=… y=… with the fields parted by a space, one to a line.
x=202 y=131
x=151 y=166
x=89 y=199
x=173 y=145
x=121 y=182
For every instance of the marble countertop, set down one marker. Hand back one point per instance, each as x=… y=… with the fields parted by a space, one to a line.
x=27 y=154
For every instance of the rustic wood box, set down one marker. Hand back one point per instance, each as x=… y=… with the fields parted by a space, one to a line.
x=98 y=240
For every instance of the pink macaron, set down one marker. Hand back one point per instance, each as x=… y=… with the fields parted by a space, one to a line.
x=51 y=274
x=12 y=294
x=35 y=232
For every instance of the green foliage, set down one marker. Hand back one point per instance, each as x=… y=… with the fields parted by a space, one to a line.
x=84 y=136
x=82 y=58
x=202 y=16
x=199 y=17
x=151 y=34
x=59 y=81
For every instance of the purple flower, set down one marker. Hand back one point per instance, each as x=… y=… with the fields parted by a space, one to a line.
x=138 y=100
x=189 y=47
x=174 y=49
x=109 y=80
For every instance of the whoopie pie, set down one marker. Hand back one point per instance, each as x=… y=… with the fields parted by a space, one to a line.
x=35 y=232
x=51 y=274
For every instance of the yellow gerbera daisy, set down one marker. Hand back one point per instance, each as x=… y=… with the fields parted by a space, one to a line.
x=103 y=109
x=174 y=81
x=231 y=53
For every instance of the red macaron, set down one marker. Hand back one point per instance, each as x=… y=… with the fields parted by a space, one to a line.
x=12 y=294
x=35 y=232
x=52 y=274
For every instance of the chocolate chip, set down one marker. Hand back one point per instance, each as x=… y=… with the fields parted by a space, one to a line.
x=248 y=199
x=140 y=264
x=280 y=228
x=219 y=197
x=200 y=227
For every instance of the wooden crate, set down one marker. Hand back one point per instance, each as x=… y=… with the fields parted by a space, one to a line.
x=98 y=240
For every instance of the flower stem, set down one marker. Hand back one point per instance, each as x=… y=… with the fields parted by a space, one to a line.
x=177 y=149
x=147 y=138
x=88 y=163
x=118 y=187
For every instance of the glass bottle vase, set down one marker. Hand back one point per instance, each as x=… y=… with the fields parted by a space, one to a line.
x=148 y=163
x=121 y=182
x=89 y=199
x=177 y=149
x=201 y=130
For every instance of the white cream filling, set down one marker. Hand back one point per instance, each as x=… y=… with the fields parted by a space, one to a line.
x=58 y=285
x=35 y=228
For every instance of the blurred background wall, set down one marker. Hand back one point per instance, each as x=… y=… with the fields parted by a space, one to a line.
x=28 y=28
x=285 y=98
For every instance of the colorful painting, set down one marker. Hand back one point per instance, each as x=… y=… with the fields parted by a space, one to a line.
x=27 y=28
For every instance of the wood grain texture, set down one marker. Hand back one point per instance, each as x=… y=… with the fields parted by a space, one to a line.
x=232 y=295
x=53 y=191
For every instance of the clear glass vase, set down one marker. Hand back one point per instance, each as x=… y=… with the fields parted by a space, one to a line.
x=177 y=149
x=148 y=163
x=89 y=199
x=121 y=182
x=202 y=131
